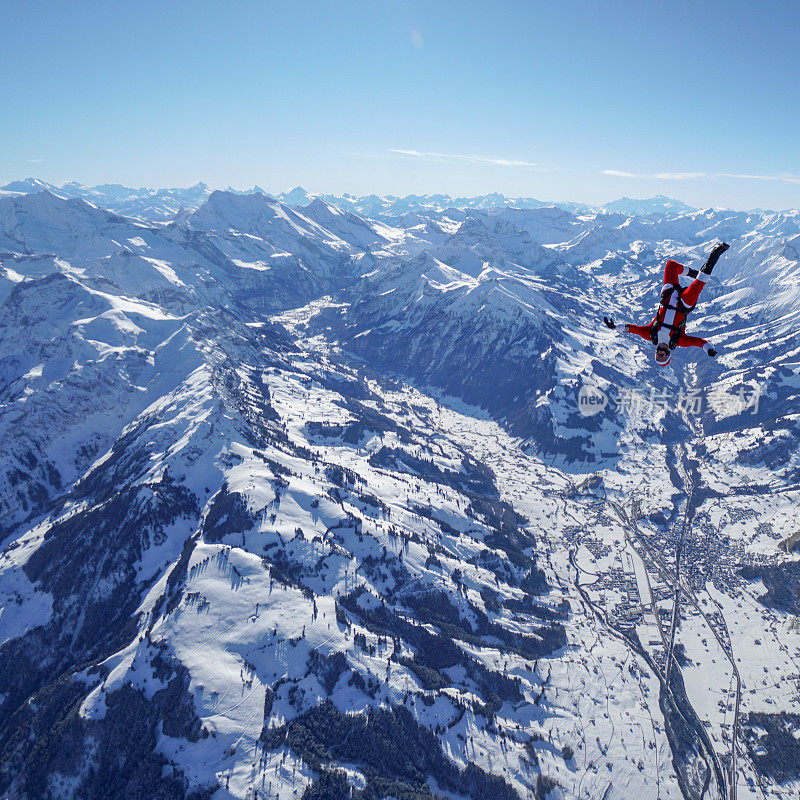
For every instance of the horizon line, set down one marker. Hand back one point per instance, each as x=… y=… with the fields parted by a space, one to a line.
x=256 y=189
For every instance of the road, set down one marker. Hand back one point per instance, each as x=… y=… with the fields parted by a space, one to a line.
x=685 y=527
x=680 y=585
x=667 y=694
x=632 y=535
x=726 y=646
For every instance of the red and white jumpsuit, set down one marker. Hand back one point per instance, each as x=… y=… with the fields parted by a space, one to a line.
x=669 y=312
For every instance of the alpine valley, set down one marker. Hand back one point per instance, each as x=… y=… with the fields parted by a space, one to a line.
x=341 y=497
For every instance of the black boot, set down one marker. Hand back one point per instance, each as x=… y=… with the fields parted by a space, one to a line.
x=713 y=257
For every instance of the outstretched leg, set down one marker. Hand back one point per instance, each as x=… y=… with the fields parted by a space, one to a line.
x=671 y=271
x=712 y=259
x=692 y=292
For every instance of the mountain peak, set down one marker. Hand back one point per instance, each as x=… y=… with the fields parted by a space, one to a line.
x=296 y=197
x=318 y=204
x=233 y=207
x=658 y=204
x=28 y=186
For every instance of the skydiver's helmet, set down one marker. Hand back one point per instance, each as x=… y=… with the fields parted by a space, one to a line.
x=662 y=355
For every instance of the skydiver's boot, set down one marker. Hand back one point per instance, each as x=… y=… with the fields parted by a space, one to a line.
x=712 y=259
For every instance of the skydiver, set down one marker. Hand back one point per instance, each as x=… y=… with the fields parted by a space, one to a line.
x=666 y=329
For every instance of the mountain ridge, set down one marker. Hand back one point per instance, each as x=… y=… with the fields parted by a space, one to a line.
x=283 y=486
x=164 y=203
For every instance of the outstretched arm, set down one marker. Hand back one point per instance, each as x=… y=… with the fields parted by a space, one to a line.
x=641 y=330
x=697 y=341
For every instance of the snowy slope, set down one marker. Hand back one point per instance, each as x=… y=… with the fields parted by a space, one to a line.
x=286 y=484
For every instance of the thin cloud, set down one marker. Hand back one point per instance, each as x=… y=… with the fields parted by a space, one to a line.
x=682 y=176
x=497 y=162
x=35 y=160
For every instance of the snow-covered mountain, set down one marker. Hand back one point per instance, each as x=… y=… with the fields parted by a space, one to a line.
x=653 y=205
x=149 y=204
x=164 y=204
x=305 y=497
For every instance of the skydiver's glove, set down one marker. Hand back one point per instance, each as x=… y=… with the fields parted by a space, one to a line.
x=711 y=351
x=609 y=323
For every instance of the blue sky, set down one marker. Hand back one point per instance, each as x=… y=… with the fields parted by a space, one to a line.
x=558 y=100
